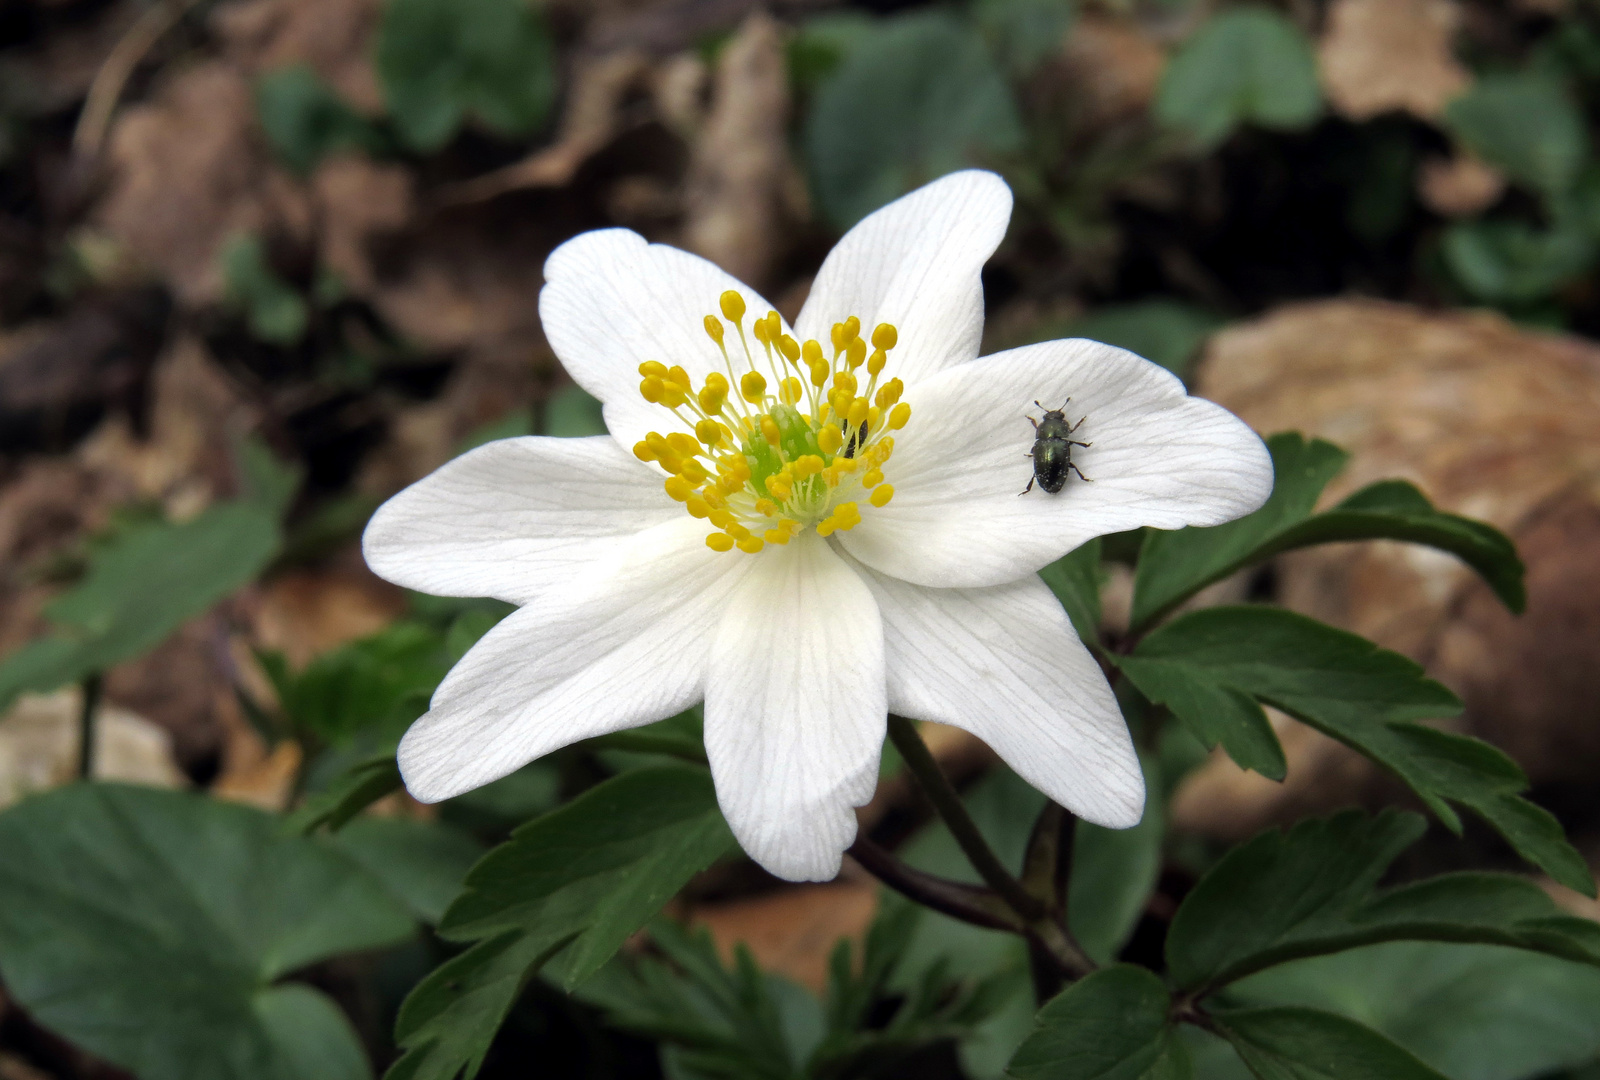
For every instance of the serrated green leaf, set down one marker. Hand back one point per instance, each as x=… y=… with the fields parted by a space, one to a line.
x=1174 y=565
x=1075 y=579
x=374 y=686
x=1349 y=689
x=1526 y=124
x=1247 y=64
x=351 y=792
x=1285 y=896
x=1112 y=1025
x=561 y=896
x=443 y=61
x=1474 y=1012
x=1114 y=871
x=421 y=863
x=148 y=582
x=305 y=120
x=916 y=98
x=150 y=928
x=1304 y=1044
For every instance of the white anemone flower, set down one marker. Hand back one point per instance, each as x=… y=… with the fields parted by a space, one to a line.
x=805 y=527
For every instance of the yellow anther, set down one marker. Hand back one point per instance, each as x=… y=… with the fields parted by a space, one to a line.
x=876 y=361
x=680 y=377
x=697 y=507
x=881 y=495
x=836 y=335
x=873 y=478
x=774 y=326
x=776 y=536
x=714 y=328
x=769 y=430
x=711 y=400
x=885 y=336
x=811 y=353
x=829 y=439
x=653 y=389
x=715 y=381
x=845 y=381
x=847 y=515
x=712 y=494
x=721 y=519
x=819 y=374
x=719 y=542
x=709 y=432
x=760 y=330
x=855 y=353
x=889 y=393
x=766 y=508
x=732 y=305
x=737 y=531
x=694 y=472
x=753 y=387
x=790 y=391
x=789 y=347
x=846 y=464
x=839 y=401
x=899 y=415
x=806 y=466
x=683 y=445
x=679 y=488
x=653 y=367
x=751 y=544
x=858 y=412
x=874 y=414
x=642 y=451
x=779 y=487
x=826 y=526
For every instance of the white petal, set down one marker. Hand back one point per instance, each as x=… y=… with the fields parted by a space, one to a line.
x=1005 y=664
x=514 y=517
x=915 y=263
x=621 y=647
x=612 y=300
x=795 y=708
x=1160 y=458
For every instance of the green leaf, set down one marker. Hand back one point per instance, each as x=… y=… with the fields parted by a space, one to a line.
x=1114 y=871
x=1304 y=1044
x=1247 y=64
x=376 y=685
x=421 y=863
x=267 y=481
x=1285 y=896
x=1210 y=667
x=1174 y=565
x=1510 y=262
x=1527 y=125
x=150 y=927
x=1075 y=579
x=1110 y=1026
x=562 y=895
x=1474 y=1012
x=1023 y=33
x=144 y=585
x=915 y=99
x=442 y=61
x=274 y=311
x=351 y=792
x=1166 y=332
x=304 y=120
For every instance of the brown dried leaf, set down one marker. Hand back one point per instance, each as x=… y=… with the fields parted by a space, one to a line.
x=40 y=736
x=1114 y=66
x=334 y=37
x=793 y=931
x=1380 y=55
x=1461 y=186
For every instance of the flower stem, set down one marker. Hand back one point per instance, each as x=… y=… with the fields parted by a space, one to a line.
x=969 y=903
x=86 y=726
x=948 y=805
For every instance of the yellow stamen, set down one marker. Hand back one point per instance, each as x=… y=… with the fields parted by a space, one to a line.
x=719 y=542
x=733 y=306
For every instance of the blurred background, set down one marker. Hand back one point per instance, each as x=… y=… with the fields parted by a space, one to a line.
x=283 y=257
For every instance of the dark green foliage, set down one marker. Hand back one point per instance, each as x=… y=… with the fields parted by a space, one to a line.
x=442 y=62
x=304 y=120
x=1526 y=124
x=1246 y=64
x=916 y=98
x=1211 y=668
x=1110 y=1026
x=1173 y=565
x=349 y=793
x=1283 y=896
x=1114 y=872
x=560 y=896
x=1075 y=579
x=1510 y=262
x=152 y=928
x=273 y=310
x=1303 y=1044
x=141 y=587
x=1166 y=332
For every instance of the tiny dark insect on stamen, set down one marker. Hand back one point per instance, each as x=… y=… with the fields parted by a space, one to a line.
x=1052 y=450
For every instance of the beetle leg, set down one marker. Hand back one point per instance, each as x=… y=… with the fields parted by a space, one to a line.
x=1074 y=467
x=1034 y=422
x=1074 y=442
x=1029 y=488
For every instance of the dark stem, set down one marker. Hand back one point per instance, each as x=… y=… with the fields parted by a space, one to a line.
x=969 y=903
x=86 y=726
x=948 y=805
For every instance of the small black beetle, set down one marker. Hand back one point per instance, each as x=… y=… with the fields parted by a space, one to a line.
x=1052 y=449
